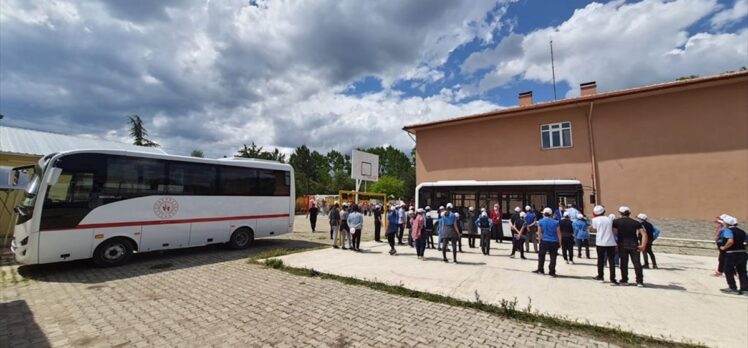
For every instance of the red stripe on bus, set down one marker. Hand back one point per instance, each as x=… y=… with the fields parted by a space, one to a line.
x=169 y=222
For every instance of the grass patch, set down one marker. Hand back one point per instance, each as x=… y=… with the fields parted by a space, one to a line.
x=505 y=309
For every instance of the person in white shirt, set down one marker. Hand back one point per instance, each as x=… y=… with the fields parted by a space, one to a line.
x=605 y=241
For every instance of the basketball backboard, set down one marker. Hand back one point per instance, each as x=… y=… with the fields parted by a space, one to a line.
x=364 y=166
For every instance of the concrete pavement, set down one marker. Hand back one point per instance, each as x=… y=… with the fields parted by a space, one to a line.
x=681 y=300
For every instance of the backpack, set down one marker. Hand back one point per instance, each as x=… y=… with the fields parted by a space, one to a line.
x=428 y=223
x=655 y=233
x=483 y=222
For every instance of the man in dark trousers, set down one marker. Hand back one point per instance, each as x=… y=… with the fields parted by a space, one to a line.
x=484 y=224
x=313 y=211
x=497 y=232
x=567 y=237
x=629 y=232
x=377 y=223
x=550 y=240
x=733 y=244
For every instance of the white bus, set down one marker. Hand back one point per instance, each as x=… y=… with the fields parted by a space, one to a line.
x=107 y=204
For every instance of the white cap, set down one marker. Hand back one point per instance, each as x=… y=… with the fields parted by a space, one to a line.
x=393 y=208
x=471 y=209
x=403 y=204
x=612 y=216
x=566 y=214
x=484 y=214
x=729 y=220
x=427 y=208
x=518 y=209
x=547 y=211
x=642 y=216
x=623 y=209
x=441 y=207
x=457 y=215
x=528 y=208
x=522 y=214
x=449 y=206
x=580 y=216
x=411 y=208
x=420 y=211
x=599 y=210
x=483 y=209
x=336 y=202
x=345 y=204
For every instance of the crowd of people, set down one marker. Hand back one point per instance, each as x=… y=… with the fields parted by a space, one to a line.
x=620 y=240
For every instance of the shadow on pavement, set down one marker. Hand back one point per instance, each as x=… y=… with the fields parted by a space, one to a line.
x=18 y=327
x=84 y=271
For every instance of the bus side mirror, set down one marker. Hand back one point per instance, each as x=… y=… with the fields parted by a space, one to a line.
x=54 y=175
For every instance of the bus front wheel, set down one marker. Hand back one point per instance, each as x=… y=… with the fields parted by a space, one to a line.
x=242 y=238
x=112 y=252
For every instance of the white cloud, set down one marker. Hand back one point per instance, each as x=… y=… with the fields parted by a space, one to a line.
x=618 y=45
x=730 y=15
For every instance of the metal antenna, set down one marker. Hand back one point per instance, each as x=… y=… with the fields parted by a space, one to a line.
x=553 y=71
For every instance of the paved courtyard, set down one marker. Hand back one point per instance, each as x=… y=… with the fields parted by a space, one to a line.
x=681 y=300
x=213 y=297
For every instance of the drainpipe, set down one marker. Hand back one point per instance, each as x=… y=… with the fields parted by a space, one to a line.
x=593 y=161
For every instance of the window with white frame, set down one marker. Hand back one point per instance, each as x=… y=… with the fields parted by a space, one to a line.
x=555 y=135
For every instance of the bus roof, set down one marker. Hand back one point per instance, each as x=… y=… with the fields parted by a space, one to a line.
x=236 y=162
x=446 y=183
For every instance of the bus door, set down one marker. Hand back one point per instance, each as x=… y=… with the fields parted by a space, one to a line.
x=567 y=198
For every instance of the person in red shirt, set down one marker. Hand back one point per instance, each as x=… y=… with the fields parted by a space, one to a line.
x=497 y=231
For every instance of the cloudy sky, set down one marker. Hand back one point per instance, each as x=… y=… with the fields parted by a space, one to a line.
x=212 y=75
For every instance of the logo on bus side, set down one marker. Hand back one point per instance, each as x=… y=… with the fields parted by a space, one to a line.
x=166 y=207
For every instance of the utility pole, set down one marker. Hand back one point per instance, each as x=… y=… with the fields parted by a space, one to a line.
x=553 y=71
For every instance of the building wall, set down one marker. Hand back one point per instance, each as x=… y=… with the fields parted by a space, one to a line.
x=10 y=198
x=681 y=155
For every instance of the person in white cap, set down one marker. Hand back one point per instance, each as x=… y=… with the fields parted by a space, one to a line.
x=450 y=232
x=718 y=239
x=518 y=236
x=419 y=234
x=356 y=224
x=409 y=224
x=401 y=220
x=605 y=242
x=549 y=235
x=531 y=223
x=733 y=245
x=567 y=237
x=650 y=230
x=513 y=218
x=344 y=228
x=581 y=235
x=471 y=227
x=484 y=225
x=629 y=232
x=392 y=228
x=428 y=227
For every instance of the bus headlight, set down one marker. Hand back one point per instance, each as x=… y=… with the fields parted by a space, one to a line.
x=25 y=241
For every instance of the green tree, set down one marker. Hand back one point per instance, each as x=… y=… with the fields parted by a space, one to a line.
x=392 y=162
x=252 y=151
x=197 y=153
x=337 y=161
x=393 y=187
x=139 y=133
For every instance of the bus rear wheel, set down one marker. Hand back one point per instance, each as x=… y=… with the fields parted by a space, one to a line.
x=242 y=238
x=112 y=252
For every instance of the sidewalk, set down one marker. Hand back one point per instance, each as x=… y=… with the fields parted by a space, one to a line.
x=682 y=300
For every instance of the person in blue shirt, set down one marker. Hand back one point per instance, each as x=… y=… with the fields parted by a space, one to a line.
x=581 y=235
x=484 y=224
x=733 y=245
x=392 y=228
x=559 y=213
x=531 y=225
x=550 y=240
x=450 y=232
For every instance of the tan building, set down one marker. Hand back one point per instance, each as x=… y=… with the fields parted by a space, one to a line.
x=675 y=150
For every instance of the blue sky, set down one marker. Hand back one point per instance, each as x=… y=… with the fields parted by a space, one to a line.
x=330 y=74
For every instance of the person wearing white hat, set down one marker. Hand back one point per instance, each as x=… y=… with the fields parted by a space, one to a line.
x=428 y=227
x=733 y=245
x=650 y=230
x=531 y=224
x=581 y=235
x=392 y=219
x=409 y=224
x=484 y=223
x=605 y=242
x=497 y=227
x=402 y=218
x=419 y=234
x=356 y=224
x=512 y=221
x=567 y=237
x=471 y=227
x=629 y=231
x=549 y=235
x=344 y=228
x=450 y=232
x=518 y=235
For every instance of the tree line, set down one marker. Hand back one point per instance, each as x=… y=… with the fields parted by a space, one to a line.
x=318 y=173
